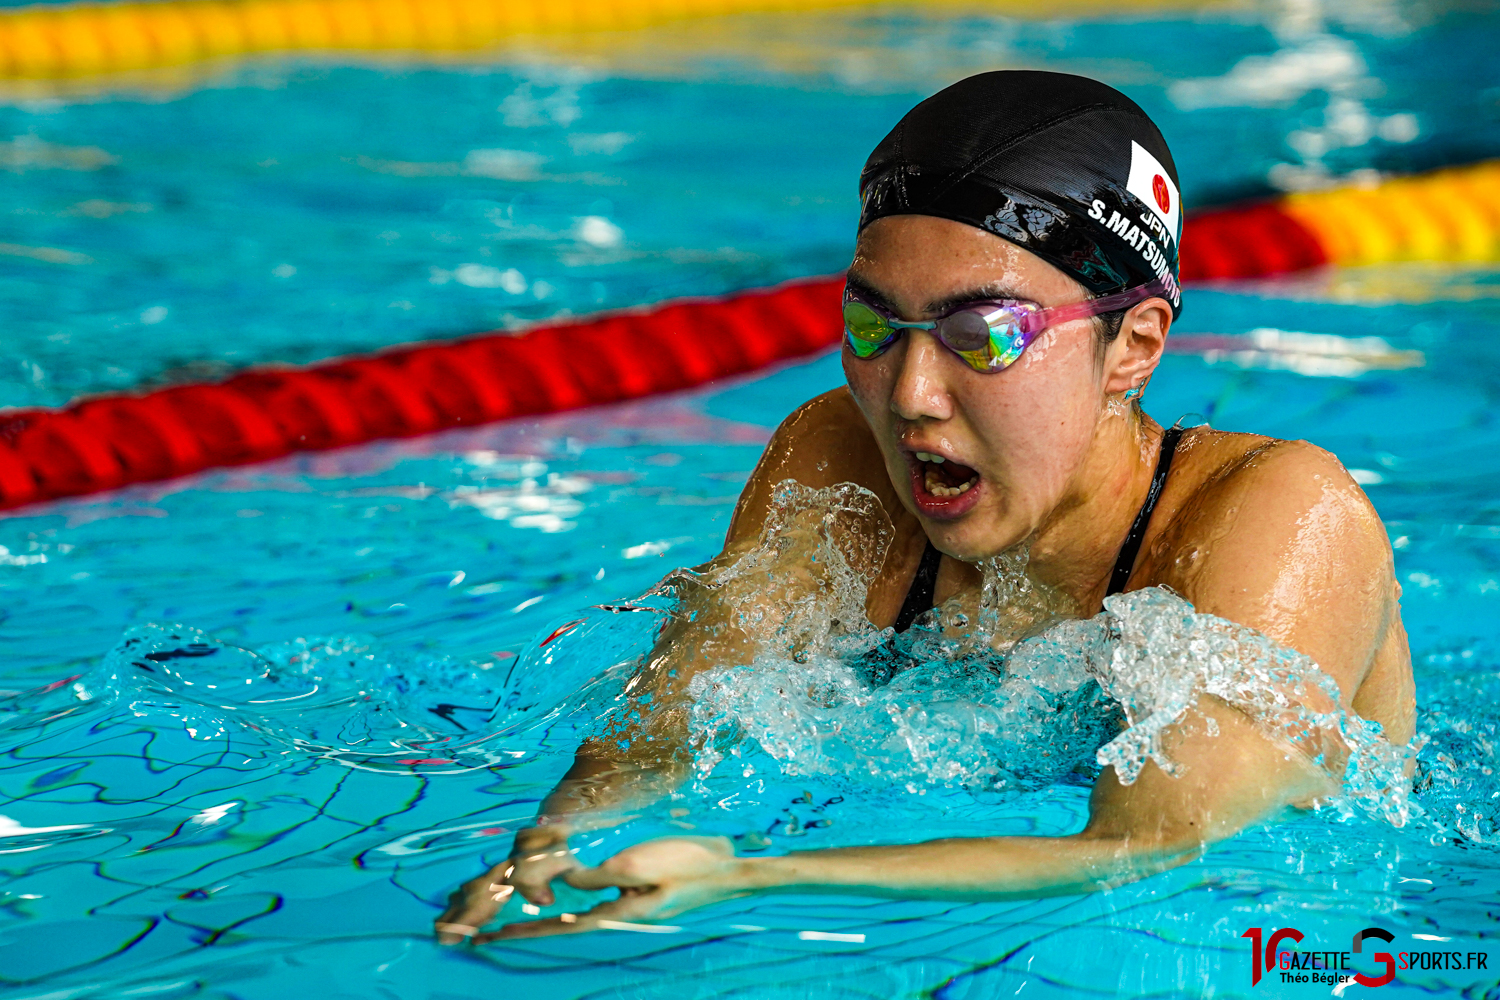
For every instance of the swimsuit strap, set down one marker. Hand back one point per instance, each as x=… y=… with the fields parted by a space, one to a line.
x=1132 y=547
x=923 y=586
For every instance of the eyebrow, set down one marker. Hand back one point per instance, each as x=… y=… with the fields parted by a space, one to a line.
x=983 y=293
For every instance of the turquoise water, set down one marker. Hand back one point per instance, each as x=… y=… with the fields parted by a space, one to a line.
x=164 y=841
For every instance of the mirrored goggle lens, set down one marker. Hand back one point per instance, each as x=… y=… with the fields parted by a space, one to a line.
x=964 y=331
x=865 y=324
x=987 y=341
x=865 y=349
x=985 y=344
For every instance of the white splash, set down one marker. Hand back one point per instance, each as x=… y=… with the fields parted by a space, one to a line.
x=1005 y=690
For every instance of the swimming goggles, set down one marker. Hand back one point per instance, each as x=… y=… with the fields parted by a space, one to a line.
x=989 y=335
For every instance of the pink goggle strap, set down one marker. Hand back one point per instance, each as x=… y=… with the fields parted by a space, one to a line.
x=1041 y=319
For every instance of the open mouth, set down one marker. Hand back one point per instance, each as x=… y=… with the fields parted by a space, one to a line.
x=943 y=477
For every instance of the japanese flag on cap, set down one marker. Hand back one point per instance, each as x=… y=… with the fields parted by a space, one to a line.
x=1150 y=182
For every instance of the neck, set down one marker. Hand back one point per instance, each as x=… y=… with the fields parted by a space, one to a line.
x=1076 y=546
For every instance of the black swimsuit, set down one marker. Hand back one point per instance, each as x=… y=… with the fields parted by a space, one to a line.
x=920 y=597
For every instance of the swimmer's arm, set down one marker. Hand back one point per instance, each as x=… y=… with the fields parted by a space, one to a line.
x=824 y=442
x=1227 y=782
x=1289 y=545
x=639 y=762
x=612 y=774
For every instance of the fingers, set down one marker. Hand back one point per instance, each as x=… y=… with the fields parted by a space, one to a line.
x=537 y=894
x=473 y=906
x=477 y=902
x=603 y=877
x=534 y=873
x=622 y=913
x=450 y=933
x=533 y=928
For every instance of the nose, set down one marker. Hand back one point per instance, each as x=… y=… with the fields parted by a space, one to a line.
x=920 y=391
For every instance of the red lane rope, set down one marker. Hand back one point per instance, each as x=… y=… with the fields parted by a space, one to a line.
x=1247 y=241
x=107 y=441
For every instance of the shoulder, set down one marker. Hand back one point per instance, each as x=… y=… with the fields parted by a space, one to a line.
x=1276 y=535
x=833 y=409
x=825 y=441
x=1248 y=485
x=1246 y=504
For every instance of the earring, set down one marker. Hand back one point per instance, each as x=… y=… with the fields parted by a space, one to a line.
x=1134 y=392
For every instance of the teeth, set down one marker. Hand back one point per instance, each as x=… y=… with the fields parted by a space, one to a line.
x=937 y=489
x=923 y=456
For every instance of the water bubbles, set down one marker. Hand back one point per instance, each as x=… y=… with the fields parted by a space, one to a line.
x=937 y=705
x=1001 y=690
x=803 y=585
x=1164 y=658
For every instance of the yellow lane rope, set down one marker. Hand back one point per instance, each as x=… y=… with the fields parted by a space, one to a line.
x=51 y=42
x=1446 y=215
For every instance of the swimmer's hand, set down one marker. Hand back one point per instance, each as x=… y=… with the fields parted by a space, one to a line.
x=540 y=855
x=1157 y=822
x=657 y=880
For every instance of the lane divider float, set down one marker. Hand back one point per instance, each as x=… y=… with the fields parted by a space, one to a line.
x=106 y=441
x=1446 y=215
x=46 y=41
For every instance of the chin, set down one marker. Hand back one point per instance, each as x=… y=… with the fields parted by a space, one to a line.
x=971 y=550
x=972 y=537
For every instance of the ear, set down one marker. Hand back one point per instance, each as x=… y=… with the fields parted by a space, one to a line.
x=1135 y=353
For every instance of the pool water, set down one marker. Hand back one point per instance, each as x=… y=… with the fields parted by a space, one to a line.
x=161 y=840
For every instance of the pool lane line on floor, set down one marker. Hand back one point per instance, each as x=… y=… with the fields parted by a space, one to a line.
x=47 y=41
x=106 y=441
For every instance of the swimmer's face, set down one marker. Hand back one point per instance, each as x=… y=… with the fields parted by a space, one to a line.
x=1016 y=443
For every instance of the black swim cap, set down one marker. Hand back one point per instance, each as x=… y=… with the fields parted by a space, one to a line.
x=1062 y=165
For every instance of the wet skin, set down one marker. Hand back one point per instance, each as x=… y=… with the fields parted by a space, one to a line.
x=1271 y=534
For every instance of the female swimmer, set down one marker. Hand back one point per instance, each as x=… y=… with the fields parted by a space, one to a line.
x=1011 y=292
